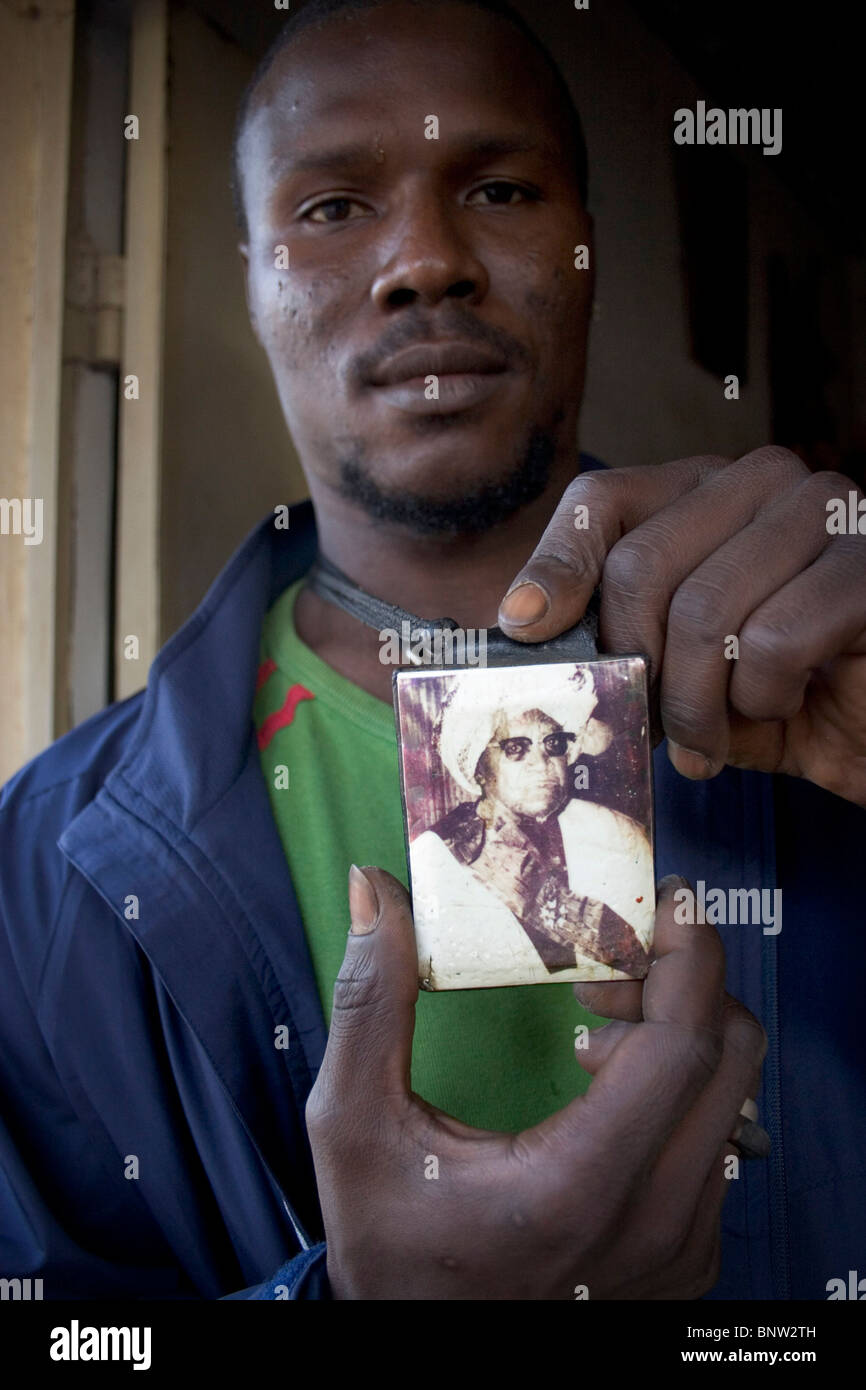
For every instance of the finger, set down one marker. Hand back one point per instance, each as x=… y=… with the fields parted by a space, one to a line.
x=700 y=1261
x=649 y=564
x=685 y=984
x=654 y=1075
x=702 y=649
x=594 y=1048
x=552 y=590
x=372 y=1024
x=692 y=1176
x=819 y=615
x=689 y=1158
x=623 y=999
x=612 y=998
x=681 y=1248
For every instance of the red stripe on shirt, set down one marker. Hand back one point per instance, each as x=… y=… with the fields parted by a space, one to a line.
x=266 y=670
x=281 y=718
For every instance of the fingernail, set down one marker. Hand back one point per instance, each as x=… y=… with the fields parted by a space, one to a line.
x=594 y=1032
x=690 y=764
x=753 y=1141
x=670 y=883
x=363 y=903
x=525 y=604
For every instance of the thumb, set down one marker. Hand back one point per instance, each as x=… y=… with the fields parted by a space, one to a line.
x=373 y=1018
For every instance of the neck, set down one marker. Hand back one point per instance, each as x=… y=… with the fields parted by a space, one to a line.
x=459 y=577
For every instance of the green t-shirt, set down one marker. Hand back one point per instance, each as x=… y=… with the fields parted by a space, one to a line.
x=500 y=1059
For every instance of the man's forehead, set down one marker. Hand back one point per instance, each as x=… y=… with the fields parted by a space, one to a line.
x=529 y=719
x=376 y=67
x=325 y=149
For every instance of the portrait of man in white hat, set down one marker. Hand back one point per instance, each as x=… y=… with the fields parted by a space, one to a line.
x=524 y=881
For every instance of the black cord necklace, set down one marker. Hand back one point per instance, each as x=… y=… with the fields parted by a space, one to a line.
x=579 y=643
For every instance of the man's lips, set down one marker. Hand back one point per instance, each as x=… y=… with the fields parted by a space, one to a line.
x=437 y=359
x=466 y=375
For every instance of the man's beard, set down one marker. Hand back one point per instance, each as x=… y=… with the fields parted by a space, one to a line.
x=472 y=512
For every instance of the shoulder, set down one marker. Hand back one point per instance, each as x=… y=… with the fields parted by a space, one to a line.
x=36 y=806
x=590 y=817
x=429 y=848
x=84 y=756
x=462 y=830
x=435 y=867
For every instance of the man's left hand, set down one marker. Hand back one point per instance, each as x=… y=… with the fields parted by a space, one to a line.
x=693 y=554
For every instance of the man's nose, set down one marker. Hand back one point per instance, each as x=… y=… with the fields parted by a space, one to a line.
x=537 y=756
x=428 y=259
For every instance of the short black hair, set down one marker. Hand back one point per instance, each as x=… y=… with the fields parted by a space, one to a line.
x=318 y=13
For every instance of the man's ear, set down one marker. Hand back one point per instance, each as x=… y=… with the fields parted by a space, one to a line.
x=244 y=251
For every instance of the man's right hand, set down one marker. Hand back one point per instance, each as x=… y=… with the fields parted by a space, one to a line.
x=621 y=1191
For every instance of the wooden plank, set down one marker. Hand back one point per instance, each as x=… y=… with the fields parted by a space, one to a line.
x=137 y=590
x=36 y=43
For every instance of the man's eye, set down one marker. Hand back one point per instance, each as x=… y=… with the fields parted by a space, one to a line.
x=514 y=748
x=557 y=744
x=500 y=193
x=332 y=210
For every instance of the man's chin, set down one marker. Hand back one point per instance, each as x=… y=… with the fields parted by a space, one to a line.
x=469 y=506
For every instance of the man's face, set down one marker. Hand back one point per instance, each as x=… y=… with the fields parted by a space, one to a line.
x=526 y=765
x=413 y=258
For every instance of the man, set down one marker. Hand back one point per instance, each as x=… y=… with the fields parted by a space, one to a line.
x=166 y=981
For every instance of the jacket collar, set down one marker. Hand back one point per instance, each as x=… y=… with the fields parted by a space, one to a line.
x=201 y=684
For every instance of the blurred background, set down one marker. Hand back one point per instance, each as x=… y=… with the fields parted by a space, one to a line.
x=118 y=258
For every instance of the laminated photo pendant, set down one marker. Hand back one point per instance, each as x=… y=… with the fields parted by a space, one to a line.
x=527 y=797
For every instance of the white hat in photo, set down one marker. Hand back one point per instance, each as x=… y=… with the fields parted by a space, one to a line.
x=481 y=699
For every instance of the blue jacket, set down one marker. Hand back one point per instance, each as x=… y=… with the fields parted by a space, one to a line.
x=152 y=1138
